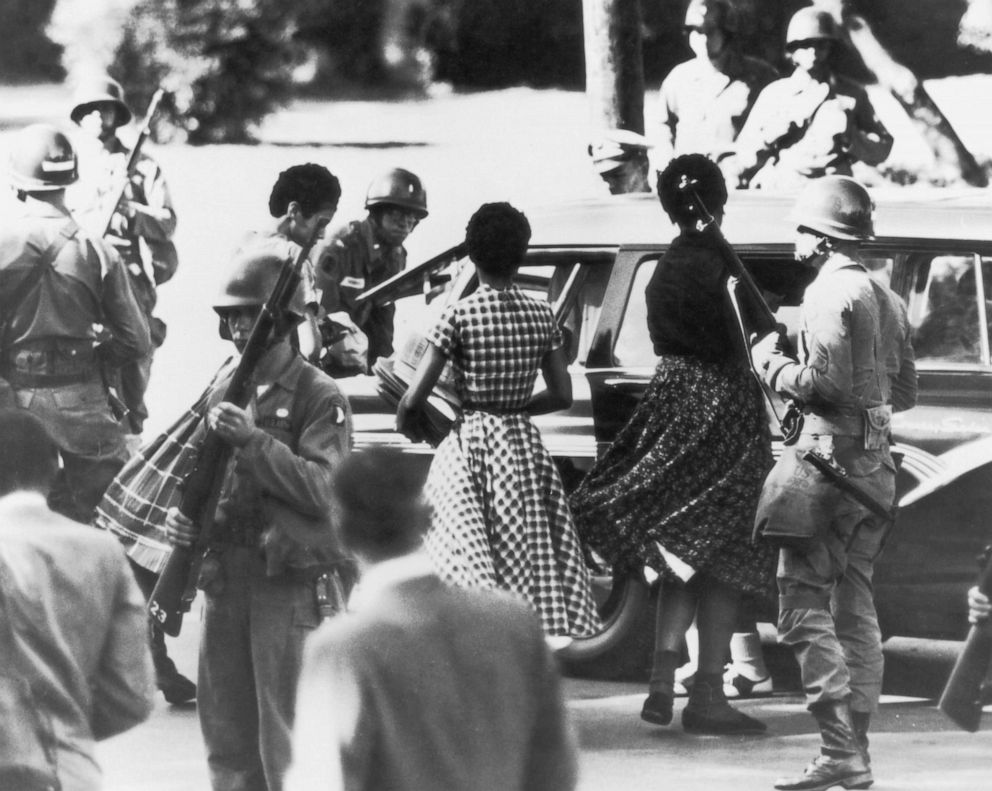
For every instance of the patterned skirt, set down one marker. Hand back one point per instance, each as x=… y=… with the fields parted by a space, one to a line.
x=686 y=473
x=501 y=520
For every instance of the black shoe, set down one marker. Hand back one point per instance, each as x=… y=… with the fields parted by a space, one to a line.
x=708 y=712
x=177 y=689
x=657 y=708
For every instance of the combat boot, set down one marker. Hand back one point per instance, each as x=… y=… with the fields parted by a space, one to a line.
x=840 y=762
x=861 y=720
x=708 y=711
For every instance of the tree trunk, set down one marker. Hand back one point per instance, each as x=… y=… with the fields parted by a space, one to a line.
x=614 y=66
x=950 y=154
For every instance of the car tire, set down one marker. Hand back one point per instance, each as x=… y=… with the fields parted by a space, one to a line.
x=622 y=650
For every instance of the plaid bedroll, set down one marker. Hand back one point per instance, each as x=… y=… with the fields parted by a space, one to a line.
x=133 y=507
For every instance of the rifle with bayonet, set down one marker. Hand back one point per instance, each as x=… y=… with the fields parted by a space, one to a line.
x=132 y=160
x=110 y=368
x=201 y=490
x=759 y=318
x=962 y=698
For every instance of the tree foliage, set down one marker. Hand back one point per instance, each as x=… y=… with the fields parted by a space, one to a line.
x=27 y=53
x=228 y=63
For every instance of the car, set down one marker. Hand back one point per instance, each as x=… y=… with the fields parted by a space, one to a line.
x=592 y=259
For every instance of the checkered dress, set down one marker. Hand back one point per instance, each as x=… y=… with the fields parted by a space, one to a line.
x=501 y=517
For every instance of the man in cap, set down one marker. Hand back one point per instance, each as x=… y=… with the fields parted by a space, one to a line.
x=706 y=100
x=422 y=685
x=56 y=284
x=367 y=252
x=275 y=541
x=813 y=122
x=142 y=223
x=620 y=158
x=856 y=368
x=74 y=667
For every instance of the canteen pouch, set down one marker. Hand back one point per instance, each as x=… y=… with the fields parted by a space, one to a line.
x=796 y=506
x=878 y=427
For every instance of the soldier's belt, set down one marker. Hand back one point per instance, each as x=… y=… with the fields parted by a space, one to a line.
x=836 y=425
x=21 y=380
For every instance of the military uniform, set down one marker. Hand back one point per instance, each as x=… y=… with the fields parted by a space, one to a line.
x=856 y=355
x=275 y=538
x=143 y=241
x=353 y=262
x=49 y=353
x=703 y=109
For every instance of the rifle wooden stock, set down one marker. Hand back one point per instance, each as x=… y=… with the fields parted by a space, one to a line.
x=176 y=587
x=132 y=160
x=961 y=698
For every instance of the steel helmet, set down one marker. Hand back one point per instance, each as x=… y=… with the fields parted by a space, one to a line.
x=721 y=14
x=810 y=24
x=250 y=280
x=41 y=159
x=398 y=187
x=95 y=91
x=835 y=206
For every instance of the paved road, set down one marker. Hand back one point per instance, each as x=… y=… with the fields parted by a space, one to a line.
x=914 y=748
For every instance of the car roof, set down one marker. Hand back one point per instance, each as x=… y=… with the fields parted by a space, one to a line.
x=753 y=217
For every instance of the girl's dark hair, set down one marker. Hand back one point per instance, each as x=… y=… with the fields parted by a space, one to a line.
x=707 y=180
x=497 y=236
x=310 y=185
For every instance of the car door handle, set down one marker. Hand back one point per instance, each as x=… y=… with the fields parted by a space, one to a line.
x=627 y=383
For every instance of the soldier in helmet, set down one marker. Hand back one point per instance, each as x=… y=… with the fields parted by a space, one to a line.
x=56 y=283
x=367 y=252
x=275 y=538
x=855 y=369
x=142 y=224
x=813 y=122
x=705 y=101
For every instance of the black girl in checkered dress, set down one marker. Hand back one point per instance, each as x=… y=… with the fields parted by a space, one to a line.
x=501 y=517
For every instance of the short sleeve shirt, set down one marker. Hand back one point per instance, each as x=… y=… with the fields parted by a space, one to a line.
x=496 y=341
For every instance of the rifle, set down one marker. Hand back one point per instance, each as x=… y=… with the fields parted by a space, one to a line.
x=176 y=587
x=109 y=371
x=760 y=315
x=962 y=696
x=132 y=159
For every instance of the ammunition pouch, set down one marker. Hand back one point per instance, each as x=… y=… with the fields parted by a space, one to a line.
x=797 y=504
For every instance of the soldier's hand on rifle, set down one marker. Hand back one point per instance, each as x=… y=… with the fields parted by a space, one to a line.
x=231 y=423
x=179 y=529
x=770 y=354
x=979 y=607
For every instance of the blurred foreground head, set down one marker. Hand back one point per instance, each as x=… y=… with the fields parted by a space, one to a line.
x=706 y=180
x=30 y=458
x=381 y=509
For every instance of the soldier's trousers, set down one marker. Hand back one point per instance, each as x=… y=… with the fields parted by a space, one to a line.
x=90 y=441
x=826 y=606
x=251 y=651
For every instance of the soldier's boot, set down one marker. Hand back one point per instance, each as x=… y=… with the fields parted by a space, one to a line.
x=840 y=762
x=861 y=721
x=708 y=711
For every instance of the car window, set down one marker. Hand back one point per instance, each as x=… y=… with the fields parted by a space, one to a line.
x=948 y=310
x=633 y=347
